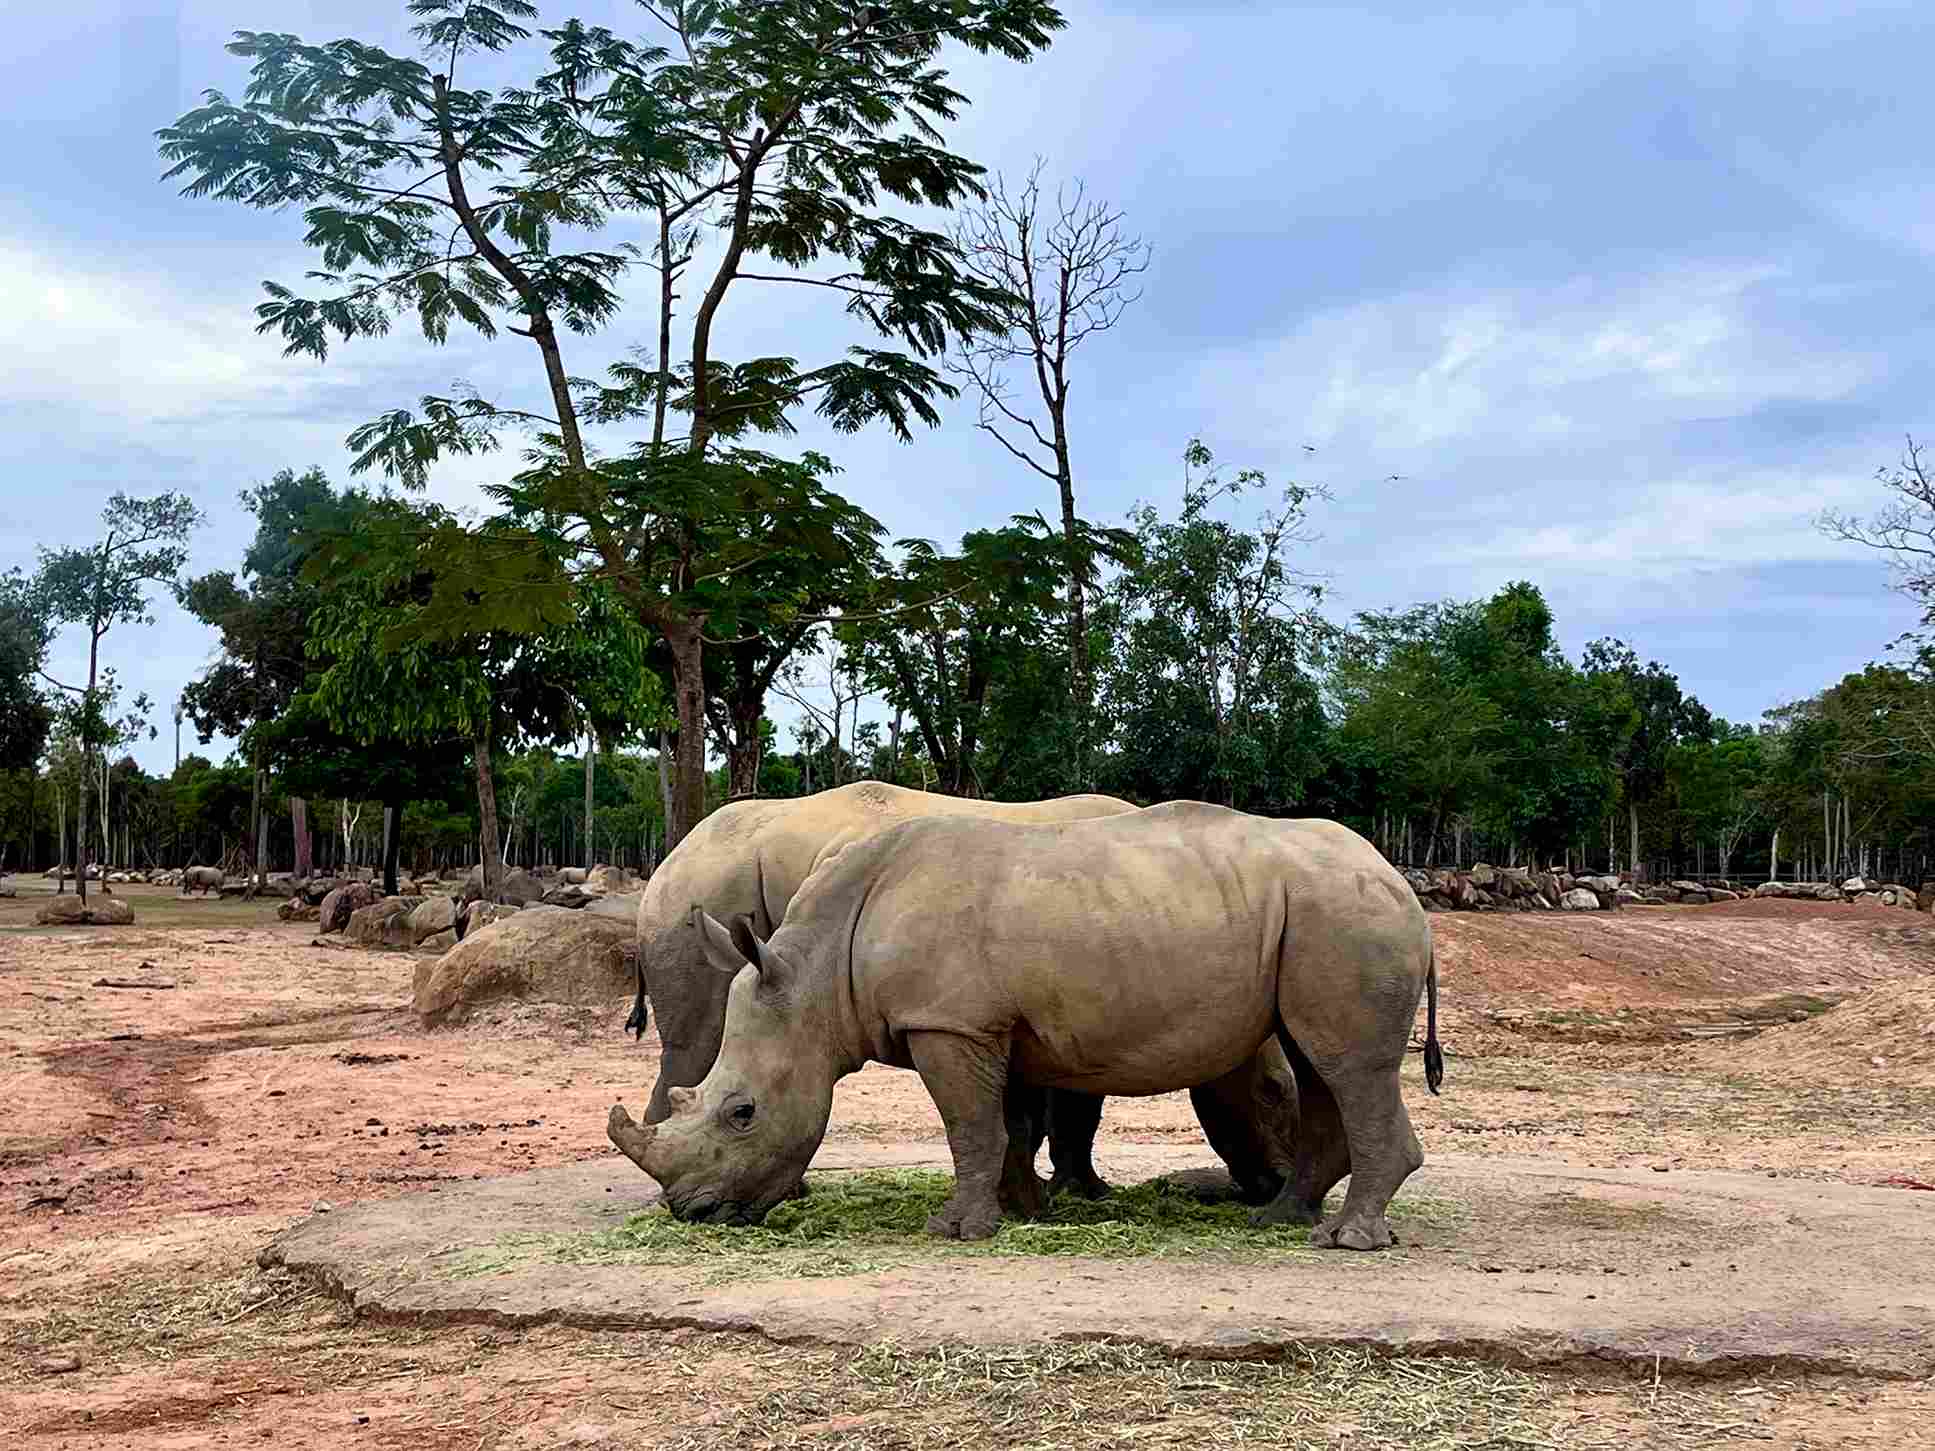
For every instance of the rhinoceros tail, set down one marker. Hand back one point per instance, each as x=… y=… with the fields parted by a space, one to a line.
x=636 y=1022
x=1434 y=1057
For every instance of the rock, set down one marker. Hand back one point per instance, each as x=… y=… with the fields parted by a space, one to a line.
x=519 y=887
x=1721 y=894
x=341 y=903
x=437 y=914
x=1483 y=875
x=58 y=1365
x=1827 y=892
x=382 y=924
x=1605 y=886
x=1686 y=886
x=1580 y=900
x=542 y=954
x=1769 y=889
x=482 y=914
x=7 y=889
x=1903 y=897
x=67 y=911
x=1629 y=897
x=438 y=941
x=568 y=897
x=297 y=909
x=622 y=908
x=1855 y=886
x=573 y=876
x=317 y=889
x=1698 y=897
x=1925 y=898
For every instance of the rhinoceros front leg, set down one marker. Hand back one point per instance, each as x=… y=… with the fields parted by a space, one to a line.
x=968 y=1083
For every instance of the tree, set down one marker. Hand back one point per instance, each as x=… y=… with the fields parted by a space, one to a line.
x=1718 y=784
x=1210 y=686
x=25 y=717
x=263 y=619
x=142 y=545
x=955 y=644
x=1065 y=273
x=779 y=125
x=1902 y=530
x=1666 y=717
x=409 y=660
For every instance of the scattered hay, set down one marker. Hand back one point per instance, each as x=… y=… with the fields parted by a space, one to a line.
x=862 y=1223
x=1106 y=1395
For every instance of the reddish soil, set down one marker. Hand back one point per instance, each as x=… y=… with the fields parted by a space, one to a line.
x=138 y=1174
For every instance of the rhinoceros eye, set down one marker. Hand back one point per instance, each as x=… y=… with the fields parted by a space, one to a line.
x=740 y=1116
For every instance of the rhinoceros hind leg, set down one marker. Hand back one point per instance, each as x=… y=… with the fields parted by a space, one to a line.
x=1384 y=1150
x=1073 y=1119
x=1321 y=1153
x=968 y=1083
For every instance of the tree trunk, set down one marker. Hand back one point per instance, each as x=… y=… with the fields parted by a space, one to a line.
x=688 y=773
x=305 y=851
x=665 y=784
x=1632 y=824
x=1080 y=690
x=744 y=748
x=488 y=859
x=591 y=758
x=87 y=761
x=392 y=840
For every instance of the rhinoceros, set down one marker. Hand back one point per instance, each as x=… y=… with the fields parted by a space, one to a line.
x=205 y=879
x=748 y=860
x=1130 y=954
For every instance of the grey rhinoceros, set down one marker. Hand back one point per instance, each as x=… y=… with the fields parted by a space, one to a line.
x=202 y=879
x=748 y=860
x=1131 y=954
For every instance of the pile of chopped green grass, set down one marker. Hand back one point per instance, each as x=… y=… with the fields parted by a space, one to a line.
x=864 y=1222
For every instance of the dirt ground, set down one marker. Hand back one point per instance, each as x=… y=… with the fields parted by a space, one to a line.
x=156 y=1135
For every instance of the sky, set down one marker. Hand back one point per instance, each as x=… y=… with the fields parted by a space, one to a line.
x=1612 y=297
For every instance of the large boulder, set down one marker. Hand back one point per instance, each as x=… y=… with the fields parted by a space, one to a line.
x=519 y=887
x=1769 y=889
x=573 y=876
x=610 y=881
x=383 y=924
x=622 y=907
x=436 y=914
x=1578 y=899
x=1721 y=894
x=570 y=897
x=482 y=914
x=1827 y=892
x=99 y=912
x=341 y=903
x=296 y=909
x=1483 y=875
x=542 y=954
x=1855 y=886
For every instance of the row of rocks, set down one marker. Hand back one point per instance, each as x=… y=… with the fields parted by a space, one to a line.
x=1854 y=889
x=1486 y=888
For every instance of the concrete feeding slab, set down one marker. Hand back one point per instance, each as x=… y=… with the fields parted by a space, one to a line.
x=1535 y=1263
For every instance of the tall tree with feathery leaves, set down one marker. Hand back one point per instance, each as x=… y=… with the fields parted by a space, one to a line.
x=784 y=130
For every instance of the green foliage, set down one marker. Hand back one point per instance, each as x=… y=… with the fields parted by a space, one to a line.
x=1469 y=714
x=25 y=716
x=1208 y=682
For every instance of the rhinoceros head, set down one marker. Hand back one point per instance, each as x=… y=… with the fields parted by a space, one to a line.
x=739 y=1142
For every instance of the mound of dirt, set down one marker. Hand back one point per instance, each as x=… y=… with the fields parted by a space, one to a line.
x=1886 y=1032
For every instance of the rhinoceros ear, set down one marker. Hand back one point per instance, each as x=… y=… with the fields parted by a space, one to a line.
x=720 y=949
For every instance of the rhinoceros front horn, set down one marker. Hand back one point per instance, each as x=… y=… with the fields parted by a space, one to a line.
x=634 y=1140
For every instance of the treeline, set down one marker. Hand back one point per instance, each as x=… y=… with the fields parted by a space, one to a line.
x=594 y=661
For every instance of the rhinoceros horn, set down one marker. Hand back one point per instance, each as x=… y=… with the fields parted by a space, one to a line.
x=634 y=1140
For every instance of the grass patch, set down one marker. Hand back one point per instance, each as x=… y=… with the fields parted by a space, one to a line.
x=862 y=1223
x=1589 y=1213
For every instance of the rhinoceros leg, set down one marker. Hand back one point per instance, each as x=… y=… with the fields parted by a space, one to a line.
x=1073 y=1119
x=1026 y=1110
x=968 y=1082
x=1321 y=1155
x=1383 y=1149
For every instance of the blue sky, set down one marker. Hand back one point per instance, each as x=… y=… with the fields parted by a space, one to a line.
x=1626 y=293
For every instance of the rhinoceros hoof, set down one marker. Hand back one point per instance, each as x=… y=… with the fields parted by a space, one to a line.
x=1084 y=1185
x=954 y=1223
x=1352 y=1234
x=1273 y=1214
